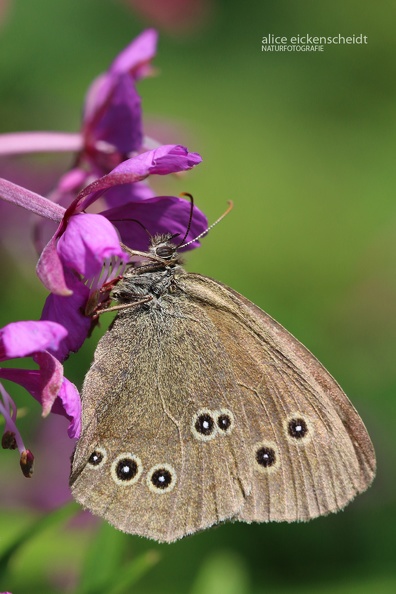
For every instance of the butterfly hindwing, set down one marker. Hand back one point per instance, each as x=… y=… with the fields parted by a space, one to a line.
x=170 y=403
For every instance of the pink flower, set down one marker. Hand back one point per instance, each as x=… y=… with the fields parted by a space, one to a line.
x=84 y=257
x=111 y=129
x=46 y=384
x=112 y=120
x=85 y=245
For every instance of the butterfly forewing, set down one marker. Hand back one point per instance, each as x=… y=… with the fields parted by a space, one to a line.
x=309 y=450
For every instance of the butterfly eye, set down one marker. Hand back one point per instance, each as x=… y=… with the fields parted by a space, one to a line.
x=161 y=478
x=297 y=428
x=203 y=426
x=225 y=421
x=165 y=251
x=97 y=458
x=266 y=457
x=126 y=469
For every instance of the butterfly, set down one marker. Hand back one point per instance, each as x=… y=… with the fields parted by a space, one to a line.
x=200 y=408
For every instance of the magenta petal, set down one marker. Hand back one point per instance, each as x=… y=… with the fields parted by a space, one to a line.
x=133 y=61
x=136 y=55
x=51 y=373
x=162 y=214
x=96 y=99
x=174 y=160
x=33 y=382
x=170 y=158
x=121 y=122
x=50 y=270
x=68 y=404
x=127 y=193
x=69 y=311
x=30 y=379
x=71 y=181
x=89 y=240
x=22 y=339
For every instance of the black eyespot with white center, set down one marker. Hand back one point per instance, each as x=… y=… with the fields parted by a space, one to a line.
x=203 y=425
x=161 y=478
x=225 y=421
x=97 y=458
x=126 y=469
x=297 y=428
x=266 y=457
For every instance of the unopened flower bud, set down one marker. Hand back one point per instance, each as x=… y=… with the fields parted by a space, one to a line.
x=8 y=441
x=26 y=462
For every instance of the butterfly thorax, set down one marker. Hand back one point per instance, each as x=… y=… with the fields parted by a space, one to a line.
x=154 y=277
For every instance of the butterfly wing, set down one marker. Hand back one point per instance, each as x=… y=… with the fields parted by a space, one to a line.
x=309 y=450
x=206 y=409
x=162 y=451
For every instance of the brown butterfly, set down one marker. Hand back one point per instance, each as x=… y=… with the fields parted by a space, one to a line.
x=200 y=408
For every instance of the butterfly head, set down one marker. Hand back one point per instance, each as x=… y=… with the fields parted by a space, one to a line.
x=162 y=247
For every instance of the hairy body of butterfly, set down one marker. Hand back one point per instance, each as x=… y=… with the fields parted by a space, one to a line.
x=200 y=408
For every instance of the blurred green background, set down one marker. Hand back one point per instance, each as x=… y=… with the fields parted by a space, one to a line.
x=304 y=146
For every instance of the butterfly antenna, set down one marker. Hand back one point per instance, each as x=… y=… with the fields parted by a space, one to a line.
x=229 y=209
x=189 y=219
x=134 y=221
